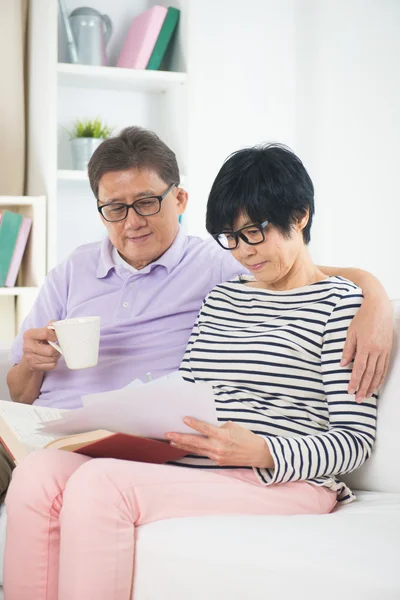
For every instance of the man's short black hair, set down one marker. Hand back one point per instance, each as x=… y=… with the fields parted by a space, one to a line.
x=267 y=182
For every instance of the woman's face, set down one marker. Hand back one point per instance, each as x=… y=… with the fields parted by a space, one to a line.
x=276 y=257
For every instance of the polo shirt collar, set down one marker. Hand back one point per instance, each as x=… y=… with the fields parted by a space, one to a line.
x=169 y=260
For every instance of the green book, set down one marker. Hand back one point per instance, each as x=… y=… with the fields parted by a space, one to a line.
x=164 y=38
x=9 y=229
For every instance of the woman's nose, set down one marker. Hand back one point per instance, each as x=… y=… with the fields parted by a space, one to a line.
x=244 y=249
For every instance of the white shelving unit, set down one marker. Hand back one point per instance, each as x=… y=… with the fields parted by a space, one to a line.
x=116 y=79
x=59 y=199
x=60 y=92
x=16 y=302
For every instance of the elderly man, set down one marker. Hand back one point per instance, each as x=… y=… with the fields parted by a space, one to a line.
x=147 y=281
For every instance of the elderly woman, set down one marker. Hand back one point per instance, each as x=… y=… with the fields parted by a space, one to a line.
x=271 y=345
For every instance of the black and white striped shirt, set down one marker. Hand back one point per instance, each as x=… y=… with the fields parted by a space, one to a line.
x=274 y=361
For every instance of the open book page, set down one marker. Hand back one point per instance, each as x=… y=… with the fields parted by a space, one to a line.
x=150 y=410
x=23 y=419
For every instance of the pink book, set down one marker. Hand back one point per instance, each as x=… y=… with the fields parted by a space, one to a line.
x=18 y=253
x=141 y=38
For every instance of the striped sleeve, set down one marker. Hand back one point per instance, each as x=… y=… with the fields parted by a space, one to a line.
x=348 y=442
x=185 y=368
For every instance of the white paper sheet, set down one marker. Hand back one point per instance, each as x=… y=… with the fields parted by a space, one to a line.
x=150 y=410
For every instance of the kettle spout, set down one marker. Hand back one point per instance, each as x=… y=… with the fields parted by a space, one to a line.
x=72 y=49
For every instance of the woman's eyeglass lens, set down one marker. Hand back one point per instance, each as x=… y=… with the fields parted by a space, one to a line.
x=251 y=234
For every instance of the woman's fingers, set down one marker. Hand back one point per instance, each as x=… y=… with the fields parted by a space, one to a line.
x=201 y=427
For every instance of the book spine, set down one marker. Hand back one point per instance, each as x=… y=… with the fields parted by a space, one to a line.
x=164 y=39
x=9 y=228
x=18 y=253
x=151 y=39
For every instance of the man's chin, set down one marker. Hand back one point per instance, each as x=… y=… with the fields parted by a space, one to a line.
x=140 y=260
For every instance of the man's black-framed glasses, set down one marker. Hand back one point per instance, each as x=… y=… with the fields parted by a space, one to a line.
x=250 y=234
x=145 y=207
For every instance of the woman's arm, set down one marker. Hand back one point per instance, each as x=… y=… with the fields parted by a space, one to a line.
x=370 y=335
x=343 y=447
x=348 y=442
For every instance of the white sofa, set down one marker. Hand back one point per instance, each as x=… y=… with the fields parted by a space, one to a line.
x=353 y=553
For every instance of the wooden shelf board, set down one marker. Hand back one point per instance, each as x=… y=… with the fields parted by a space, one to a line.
x=17 y=291
x=71 y=175
x=115 y=78
x=21 y=200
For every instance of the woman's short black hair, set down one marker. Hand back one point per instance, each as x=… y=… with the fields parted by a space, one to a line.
x=267 y=182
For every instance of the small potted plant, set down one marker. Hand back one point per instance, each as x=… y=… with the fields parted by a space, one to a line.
x=85 y=136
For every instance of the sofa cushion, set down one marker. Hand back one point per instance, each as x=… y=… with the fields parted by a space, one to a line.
x=352 y=553
x=382 y=471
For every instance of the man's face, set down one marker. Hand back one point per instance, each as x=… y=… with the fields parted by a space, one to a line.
x=141 y=240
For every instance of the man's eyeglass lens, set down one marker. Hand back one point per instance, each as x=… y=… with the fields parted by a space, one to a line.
x=118 y=212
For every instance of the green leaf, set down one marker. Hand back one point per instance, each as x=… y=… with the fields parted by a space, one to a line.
x=88 y=128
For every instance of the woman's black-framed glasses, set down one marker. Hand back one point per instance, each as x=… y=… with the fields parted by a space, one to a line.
x=145 y=207
x=250 y=234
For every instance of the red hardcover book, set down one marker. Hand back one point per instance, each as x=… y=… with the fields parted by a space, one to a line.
x=106 y=444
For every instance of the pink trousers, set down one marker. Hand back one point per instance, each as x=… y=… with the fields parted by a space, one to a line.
x=71 y=520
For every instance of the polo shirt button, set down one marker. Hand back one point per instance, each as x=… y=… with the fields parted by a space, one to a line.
x=125 y=305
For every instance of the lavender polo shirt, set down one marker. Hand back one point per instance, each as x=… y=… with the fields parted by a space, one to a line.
x=146 y=316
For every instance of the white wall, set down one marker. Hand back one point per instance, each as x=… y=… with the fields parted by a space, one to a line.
x=348 y=125
x=241 y=64
x=322 y=77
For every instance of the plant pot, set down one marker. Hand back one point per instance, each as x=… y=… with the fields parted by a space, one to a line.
x=82 y=149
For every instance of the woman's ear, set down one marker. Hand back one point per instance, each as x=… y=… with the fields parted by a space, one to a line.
x=302 y=221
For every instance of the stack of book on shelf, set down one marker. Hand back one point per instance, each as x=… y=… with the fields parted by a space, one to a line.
x=148 y=38
x=14 y=233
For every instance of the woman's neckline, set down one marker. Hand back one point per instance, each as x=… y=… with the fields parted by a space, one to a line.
x=282 y=292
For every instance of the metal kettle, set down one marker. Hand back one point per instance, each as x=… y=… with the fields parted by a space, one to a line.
x=90 y=33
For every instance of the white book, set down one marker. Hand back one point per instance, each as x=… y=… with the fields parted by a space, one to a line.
x=20 y=427
x=18 y=424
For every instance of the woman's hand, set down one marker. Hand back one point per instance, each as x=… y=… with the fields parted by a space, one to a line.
x=228 y=445
x=369 y=342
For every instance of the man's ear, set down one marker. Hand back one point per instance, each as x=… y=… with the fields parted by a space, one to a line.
x=182 y=199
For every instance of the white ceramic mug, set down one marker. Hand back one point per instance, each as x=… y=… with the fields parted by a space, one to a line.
x=78 y=341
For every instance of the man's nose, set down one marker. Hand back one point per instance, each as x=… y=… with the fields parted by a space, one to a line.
x=133 y=220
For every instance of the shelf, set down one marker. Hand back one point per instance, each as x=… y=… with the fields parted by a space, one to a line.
x=71 y=175
x=22 y=200
x=115 y=78
x=17 y=291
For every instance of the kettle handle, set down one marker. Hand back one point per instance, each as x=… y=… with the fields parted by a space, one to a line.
x=107 y=27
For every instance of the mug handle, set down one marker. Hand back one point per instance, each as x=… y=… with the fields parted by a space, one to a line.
x=56 y=346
